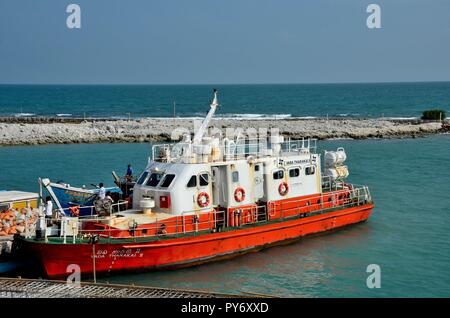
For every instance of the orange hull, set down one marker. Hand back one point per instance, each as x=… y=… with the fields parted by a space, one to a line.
x=188 y=250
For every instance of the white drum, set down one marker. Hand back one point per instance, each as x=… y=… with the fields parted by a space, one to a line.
x=336 y=173
x=146 y=205
x=335 y=158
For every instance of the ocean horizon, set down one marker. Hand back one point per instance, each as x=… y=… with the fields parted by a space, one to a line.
x=403 y=100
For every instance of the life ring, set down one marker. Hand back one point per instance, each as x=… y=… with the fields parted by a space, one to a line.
x=283 y=189
x=239 y=194
x=74 y=210
x=203 y=199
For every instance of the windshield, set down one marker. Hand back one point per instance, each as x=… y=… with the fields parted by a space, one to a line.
x=142 y=177
x=167 y=180
x=154 y=179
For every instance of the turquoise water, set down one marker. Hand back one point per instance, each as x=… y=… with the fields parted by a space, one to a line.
x=408 y=234
x=296 y=100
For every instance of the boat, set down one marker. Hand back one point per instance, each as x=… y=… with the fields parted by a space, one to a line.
x=69 y=198
x=15 y=207
x=18 y=212
x=206 y=198
x=125 y=184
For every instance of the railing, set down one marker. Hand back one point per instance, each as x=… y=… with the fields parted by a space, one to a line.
x=189 y=222
x=207 y=220
x=230 y=150
x=112 y=209
x=325 y=202
x=328 y=184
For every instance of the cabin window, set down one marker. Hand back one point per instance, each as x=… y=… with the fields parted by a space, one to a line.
x=154 y=179
x=235 y=176
x=167 y=180
x=310 y=170
x=257 y=168
x=142 y=177
x=204 y=179
x=294 y=173
x=279 y=174
x=192 y=182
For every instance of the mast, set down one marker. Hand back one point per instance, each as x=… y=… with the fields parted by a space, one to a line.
x=202 y=130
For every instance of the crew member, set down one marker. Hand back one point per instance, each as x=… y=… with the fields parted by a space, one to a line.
x=129 y=175
x=102 y=191
x=108 y=197
x=48 y=210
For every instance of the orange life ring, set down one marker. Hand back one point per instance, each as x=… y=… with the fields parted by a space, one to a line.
x=203 y=199
x=283 y=188
x=74 y=210
x=239 y=194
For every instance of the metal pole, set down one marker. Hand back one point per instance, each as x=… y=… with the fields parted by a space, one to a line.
x=93 y=262
x=41 y=199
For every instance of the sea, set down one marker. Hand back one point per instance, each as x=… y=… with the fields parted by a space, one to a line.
x=404 y=100
x=407 y=237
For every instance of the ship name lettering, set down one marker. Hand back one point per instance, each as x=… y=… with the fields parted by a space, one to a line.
x=124 y=253
x=292 y=162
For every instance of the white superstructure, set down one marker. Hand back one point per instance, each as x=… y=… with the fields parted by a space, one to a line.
x=208 y=172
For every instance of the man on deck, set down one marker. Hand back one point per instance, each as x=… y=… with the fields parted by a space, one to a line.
x=102 y=191
x=129 y=175
x=48 y=210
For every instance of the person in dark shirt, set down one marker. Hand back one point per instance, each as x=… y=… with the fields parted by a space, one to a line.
x=129 y=175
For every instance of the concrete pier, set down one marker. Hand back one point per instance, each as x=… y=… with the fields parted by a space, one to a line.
x=39 y=288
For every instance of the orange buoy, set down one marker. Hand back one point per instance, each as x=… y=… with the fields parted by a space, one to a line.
x=203 y=199
x=283 y=189
x=74 y=210
x=239 y=194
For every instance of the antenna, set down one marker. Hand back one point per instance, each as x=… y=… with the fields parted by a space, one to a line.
x=174 y=109
x=201 y=131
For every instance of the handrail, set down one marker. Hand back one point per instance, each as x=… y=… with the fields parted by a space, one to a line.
x=224 y=152
x=92 y=208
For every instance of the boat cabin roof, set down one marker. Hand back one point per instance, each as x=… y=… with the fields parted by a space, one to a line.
x=13 y=196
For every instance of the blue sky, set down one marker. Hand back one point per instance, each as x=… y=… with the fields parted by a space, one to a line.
x=223 y=41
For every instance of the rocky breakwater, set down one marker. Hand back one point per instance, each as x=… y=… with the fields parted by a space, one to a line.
x=160 y=129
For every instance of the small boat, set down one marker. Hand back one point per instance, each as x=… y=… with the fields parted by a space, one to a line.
x=12 y=205
x=125 y=184
x=67 y=196
x=209 y=198
x=18 y=215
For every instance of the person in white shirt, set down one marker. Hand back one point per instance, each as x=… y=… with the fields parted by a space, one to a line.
x=48 y=207
x=101 y=192
x=48 y=210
